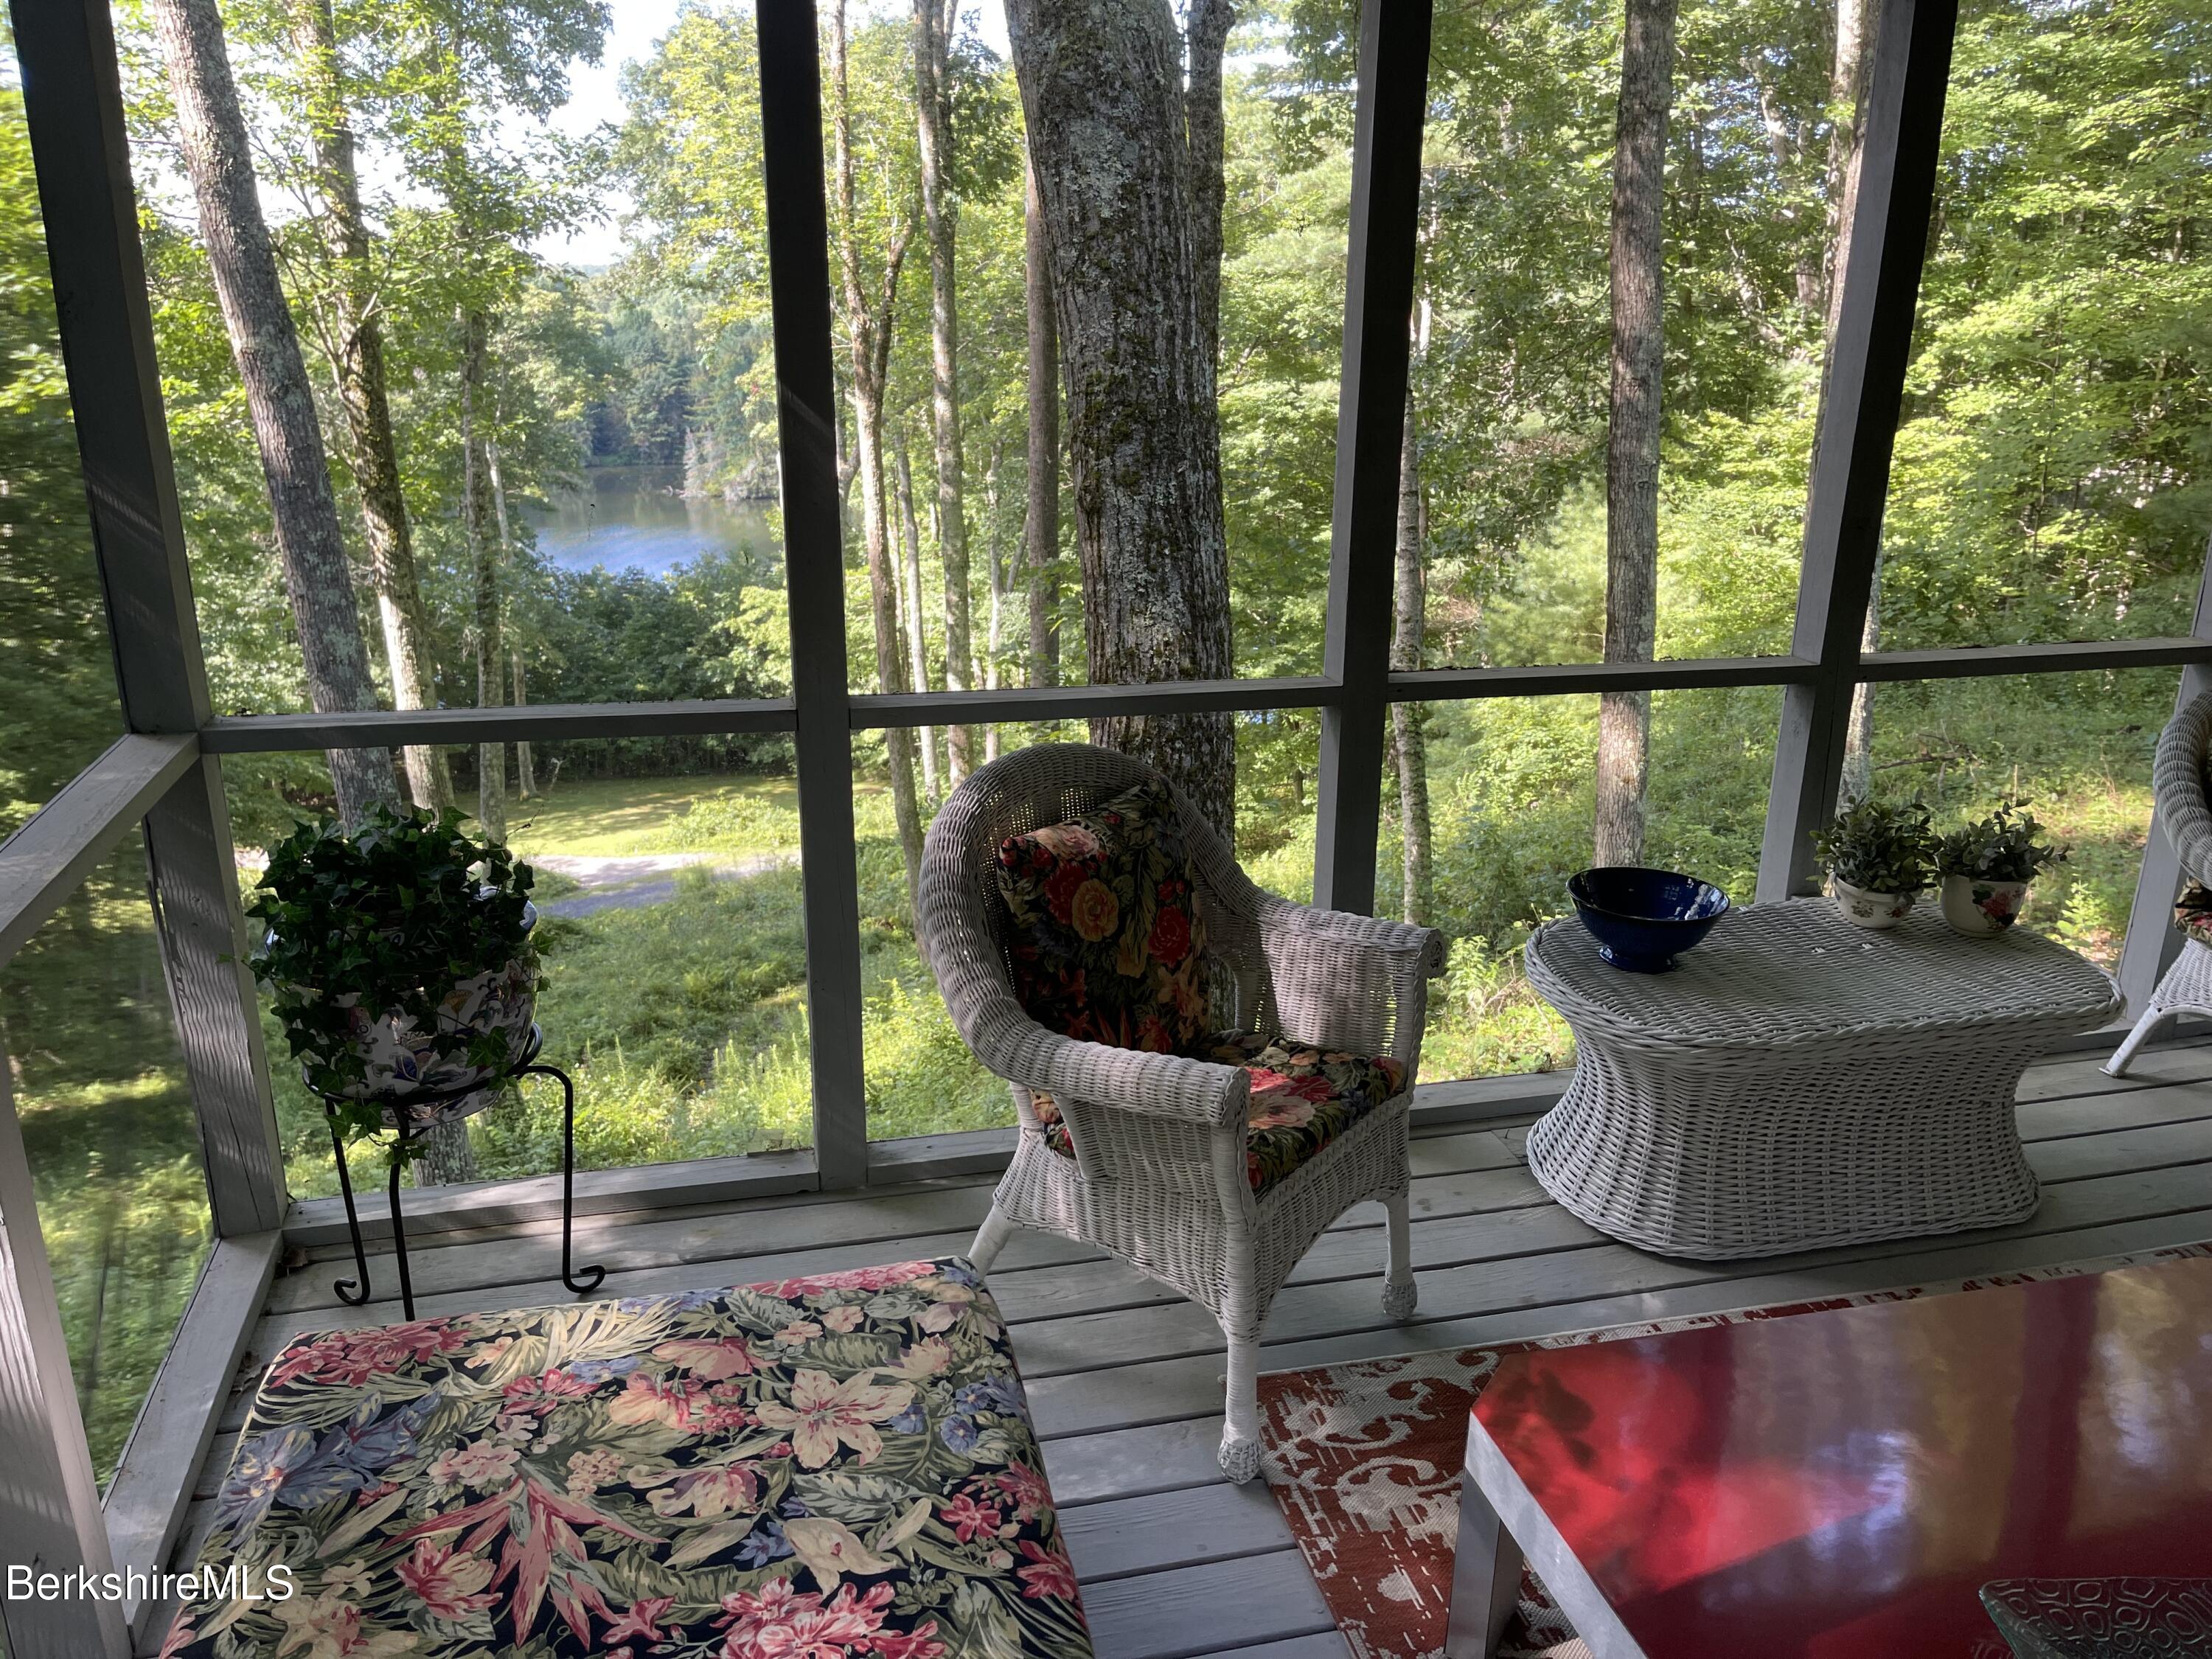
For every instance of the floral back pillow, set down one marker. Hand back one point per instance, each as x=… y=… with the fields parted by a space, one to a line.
x=1107 y=942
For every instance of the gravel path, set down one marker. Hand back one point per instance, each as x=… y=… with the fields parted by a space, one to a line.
x=629 y=883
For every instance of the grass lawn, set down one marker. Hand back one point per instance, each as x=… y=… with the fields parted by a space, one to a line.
x=622 y=817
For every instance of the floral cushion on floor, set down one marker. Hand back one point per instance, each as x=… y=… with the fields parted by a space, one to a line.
x=1302 y=1098
x=1107 y=942
x=835 y=1465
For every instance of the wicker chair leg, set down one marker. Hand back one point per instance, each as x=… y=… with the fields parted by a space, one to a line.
x=2124 y=1056
x=990 y=1238
x=2186 y=989
x=1400 y=1292
x=1240 y=1431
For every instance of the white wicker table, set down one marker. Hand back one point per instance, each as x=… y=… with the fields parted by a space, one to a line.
x=1797 y=1082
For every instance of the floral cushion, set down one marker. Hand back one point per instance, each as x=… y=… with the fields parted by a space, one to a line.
x=1302 y=1098
x=2192 y=912
x=1108 y=944
x=835 y=1465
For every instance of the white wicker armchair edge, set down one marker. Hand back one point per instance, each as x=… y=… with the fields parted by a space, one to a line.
x=2177 y=784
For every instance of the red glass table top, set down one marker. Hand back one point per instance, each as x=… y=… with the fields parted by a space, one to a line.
x=1841 y=1483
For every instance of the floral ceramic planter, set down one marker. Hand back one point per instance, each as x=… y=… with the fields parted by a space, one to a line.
x=1864 y=908
x=403 y=1061
x=1980 y=909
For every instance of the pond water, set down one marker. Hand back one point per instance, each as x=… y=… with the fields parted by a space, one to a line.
x=636 y=518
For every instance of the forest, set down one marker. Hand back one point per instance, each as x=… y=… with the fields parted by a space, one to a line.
x=462 y=467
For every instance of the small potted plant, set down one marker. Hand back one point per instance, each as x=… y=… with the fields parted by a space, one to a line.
x=1878 y=860
x=1986 y=867
x=400 y=959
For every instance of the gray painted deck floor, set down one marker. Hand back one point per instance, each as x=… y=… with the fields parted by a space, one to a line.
x=1125 y=1377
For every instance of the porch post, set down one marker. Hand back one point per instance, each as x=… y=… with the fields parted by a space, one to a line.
x=1371 y=426
x=814 y=554
x=2152 y=943
x=1858 y=426
x=73 y=103
x=50 y=1517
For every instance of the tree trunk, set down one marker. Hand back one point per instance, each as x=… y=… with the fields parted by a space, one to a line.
x=1206 y=38
x=211 y=133
x=868 y=336
x=526 y=784
x=1847 y=86
x=525 y=774
x=1409 y=720
x=484 y=557
x=918 y=641
x=1631 y=528
x=1858 y=737
x=356 y=351
x=1117 y=186
x=1782 y=148
x=997 y=565
x=934 y=117
x=1847 y=78
x=1041 y=521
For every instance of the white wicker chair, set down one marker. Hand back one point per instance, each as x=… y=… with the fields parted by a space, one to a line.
x=1158 y=1177
x=2178 y=781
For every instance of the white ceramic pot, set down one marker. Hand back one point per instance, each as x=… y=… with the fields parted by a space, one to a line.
x=1865 y=908
x=1982 y=909
x=402 y=1061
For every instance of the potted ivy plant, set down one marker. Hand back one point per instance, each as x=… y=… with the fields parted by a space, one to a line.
x=1987 y=866
x=1879 y=859
x=400 y=959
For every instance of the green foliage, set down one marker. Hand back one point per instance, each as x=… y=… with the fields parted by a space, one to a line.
x=2006 y=846
x=732 y=823
x=1878 y=849
x=61 y=707
x=2050 y=480
x=386 y=919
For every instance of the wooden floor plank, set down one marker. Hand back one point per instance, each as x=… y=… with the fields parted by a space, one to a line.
x=631 y=1244
x=523 y=1274
x=1194 y=1610
x=1092 y=1468
x=1451 y=1288
x=1321 y=1645
x=2079 y=1157
x=2085 y=1074
x=775 y=1225
x=1117 y=1397
x=2138 y=1108
x=1526 y=1256
x=1153 y=1534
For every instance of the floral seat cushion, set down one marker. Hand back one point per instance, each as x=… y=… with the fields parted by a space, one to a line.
x=835 y=1465
x=2192 y=912
x=1302 y=1098
x=1107 y=942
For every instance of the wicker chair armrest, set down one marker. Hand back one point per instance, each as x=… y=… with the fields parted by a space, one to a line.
x=1346 y=980
x=1040 y=1060
x=2177 y=780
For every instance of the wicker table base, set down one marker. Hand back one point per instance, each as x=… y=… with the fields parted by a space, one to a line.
x=1798 y=1083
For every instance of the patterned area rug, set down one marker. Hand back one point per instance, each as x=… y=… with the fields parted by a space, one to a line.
x=1365 y=1460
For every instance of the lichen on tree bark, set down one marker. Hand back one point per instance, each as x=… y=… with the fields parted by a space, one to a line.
x=1129 y=170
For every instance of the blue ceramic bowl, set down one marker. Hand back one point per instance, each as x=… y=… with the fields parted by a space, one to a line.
x=1643 y=919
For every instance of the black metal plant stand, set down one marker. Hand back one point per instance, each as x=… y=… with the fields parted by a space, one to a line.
x=402 y=1107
